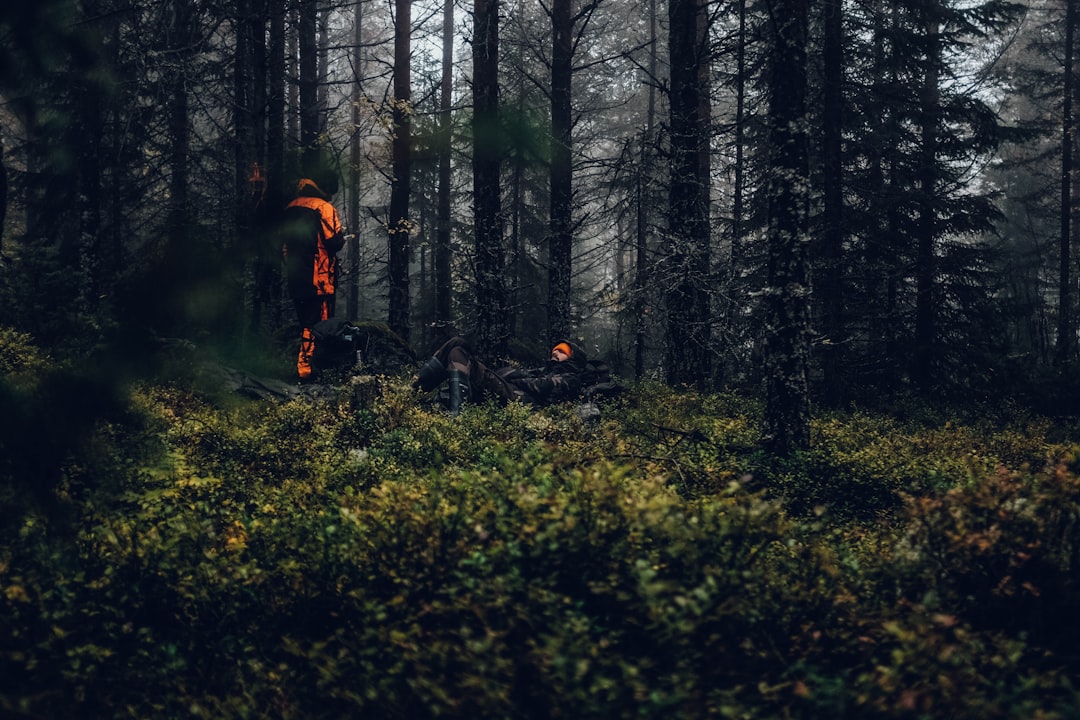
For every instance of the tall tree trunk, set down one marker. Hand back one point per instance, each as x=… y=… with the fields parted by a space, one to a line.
x=1066 y=329
x=258 y=213
x=115 y=209
x=830 y=287
x=292 y=101
x=644 y=205
x=925 y=260
x=400 y=226
x=179 y=135
x=243 y=115
x=180 y=264
x=516 y=256
x=3 y=196
x=739 y=190
x=245 y=152
x=352 y=249
x=90 y=126
x=275 y=155
x=560 y=242
x=736 y=260
x=491 y=330
x=258 y=78
x=443 y=222
x=786 y=347
x=276 y=102
x=881 y=257
x=309 y=78
x=688 y=225
x=323 y=92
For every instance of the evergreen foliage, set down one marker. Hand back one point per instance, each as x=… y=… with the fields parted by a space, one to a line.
x=360 y=556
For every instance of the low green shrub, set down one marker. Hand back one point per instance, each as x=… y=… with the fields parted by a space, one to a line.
x=1003 y=552
x=362 y=556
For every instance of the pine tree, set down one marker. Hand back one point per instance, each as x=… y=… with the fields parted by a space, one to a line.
x=787 y=323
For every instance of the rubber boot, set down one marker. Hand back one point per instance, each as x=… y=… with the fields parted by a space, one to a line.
x=459 y=390
x=430 y=375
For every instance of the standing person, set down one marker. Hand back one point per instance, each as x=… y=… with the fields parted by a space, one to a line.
x=560 y=378
x=313 y=237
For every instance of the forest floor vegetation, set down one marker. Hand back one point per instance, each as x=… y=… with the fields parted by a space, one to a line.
x=168 y=550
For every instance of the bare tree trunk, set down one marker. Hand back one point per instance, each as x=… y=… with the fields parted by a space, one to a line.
x=323 y=91
x=258 y=211
x=787 y=412
x=3 y=196
x=1066 y=329
x=739 y=190
x=292 y=42
x=830 y=287
x=736 y=260
x=400 y=226
x=246 y=156
x=177 y=269
x=442 y=237
x=352 y=249
x=243 y=117
x=179 y=135
x=89 y=198
x=491 y=330
x=925 y=260
x=560 y=242
x=516 y=254
x=309 y=77
x=880 y=256
x=644 y=206
x=275 y=152
x=689 y=241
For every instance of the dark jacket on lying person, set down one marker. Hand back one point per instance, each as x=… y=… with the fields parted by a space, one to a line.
x=469 y=379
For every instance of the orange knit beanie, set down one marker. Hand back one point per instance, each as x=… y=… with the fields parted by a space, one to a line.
x=564 y=347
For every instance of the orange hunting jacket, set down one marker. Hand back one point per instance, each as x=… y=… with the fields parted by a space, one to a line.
x=331 y=240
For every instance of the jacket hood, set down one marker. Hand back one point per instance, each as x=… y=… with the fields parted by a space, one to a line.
x=578 y=357
x=309 y=188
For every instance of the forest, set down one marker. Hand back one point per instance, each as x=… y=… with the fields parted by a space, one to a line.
x=825 y=247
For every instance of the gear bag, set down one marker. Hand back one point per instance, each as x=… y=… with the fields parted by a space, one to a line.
x=596 y=381
x=337 y=344
x=300 y=229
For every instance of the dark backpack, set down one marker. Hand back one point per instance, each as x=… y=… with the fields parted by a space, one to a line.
x=596 y=381
x=299 y=230
x=337 y=343
x=341 y=344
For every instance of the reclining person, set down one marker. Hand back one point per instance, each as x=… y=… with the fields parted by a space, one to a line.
x=470 y=380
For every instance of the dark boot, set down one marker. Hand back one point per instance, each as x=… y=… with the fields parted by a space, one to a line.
x=459 y=390
x=431 y=375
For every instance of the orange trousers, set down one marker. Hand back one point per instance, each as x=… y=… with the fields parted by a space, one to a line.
x=309 y=311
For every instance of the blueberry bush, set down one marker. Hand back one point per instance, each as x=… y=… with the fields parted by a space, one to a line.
x=364 y=555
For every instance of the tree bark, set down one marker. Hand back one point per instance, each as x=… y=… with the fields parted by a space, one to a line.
x=352 y=245
x=491 y=320
x=830 y=287
x=560 y=241
x=270 y=282
x=1066 y=325
x=400 y=226
x=309 y=78
x=925 y=252
x=786 y=347
x=3 y=196
x=737 y=259
x=644 y=204
x=90 y=128
x=443 y=295
x=689 y=238
x=179 y=135
x=245 y=152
